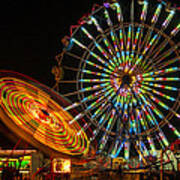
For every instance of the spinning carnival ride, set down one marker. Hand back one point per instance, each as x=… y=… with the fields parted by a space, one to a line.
x=35 y=113
x=124 y=59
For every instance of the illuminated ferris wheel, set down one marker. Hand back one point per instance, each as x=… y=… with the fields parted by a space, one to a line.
x=124 y=59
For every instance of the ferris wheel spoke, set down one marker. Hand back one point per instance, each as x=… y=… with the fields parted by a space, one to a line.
x=119 y=132
x=119 y=43
x=147 y=47
x=150 y=119
x=104 y=118
x=163 y=65
x=95 y=73
x=156 y=14
x=162 y=104
x=84 y=128
x=128 y=48
x=147 y=42
x=116 y=151
x=88 y=98
x=160 y=72
x=143 y=17
x=160 y=86
x=126 y=150
x=152 y=145
x=132 y=124
x=103 y=51
x=158 y=93
x=142 y=155
x=163 y=45
x=137 y=122
x=149 y=103
x=150 y=48
x=98 y=101
x=112 y=32
x=144 y=117
x=163 y=138
x=168 y=19
x=97 y=57
x=140 y=38
x=144 y=42
x=165 y=55
x=94 y=80
x=113 y=148
x=175 y=30
x=119 y=12
x=105 y=106
x=95 y=87
x=95 y=104
x=116 y=47
x=98 y=66
x=148 y=110
x=175 y=131
x=105 y=39
x=109 y=126
x=149 y=33
x=140 y=60
x=144 y=10
x=101 y=108
x=136 y=41
x=130 y=40
x=150 y=43
x=158 y=50
x=141 y=115
x=162 y=95
x=159 y=140
x=107 y=92
x=75 y=56
x=162 y=117
x=104 y=138
x=122 y=38
x=140 y=120
x=143 y=148
x=114 y=37
x=157 y=79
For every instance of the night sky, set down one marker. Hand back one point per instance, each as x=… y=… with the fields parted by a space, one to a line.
x=31 y=33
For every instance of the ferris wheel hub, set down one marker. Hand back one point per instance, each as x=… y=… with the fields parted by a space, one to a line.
x=126 y=79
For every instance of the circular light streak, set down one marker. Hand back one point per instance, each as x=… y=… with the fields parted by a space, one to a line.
x=36 y=110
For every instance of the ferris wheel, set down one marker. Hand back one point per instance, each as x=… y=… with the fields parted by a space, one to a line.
x=121 y=70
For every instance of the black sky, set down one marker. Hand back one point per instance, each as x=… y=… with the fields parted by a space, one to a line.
x=31 y=32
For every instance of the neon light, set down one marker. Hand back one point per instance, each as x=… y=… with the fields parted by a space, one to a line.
x=156 y=14
x=168 y=19
x=144 y=11
x=175 y=30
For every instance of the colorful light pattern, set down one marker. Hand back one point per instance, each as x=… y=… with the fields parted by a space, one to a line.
x=30 y=107
x=128 y=78
x=61 y=165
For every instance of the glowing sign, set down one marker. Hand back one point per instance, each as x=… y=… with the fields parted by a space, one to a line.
x=61 y=165
x=23 y=163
